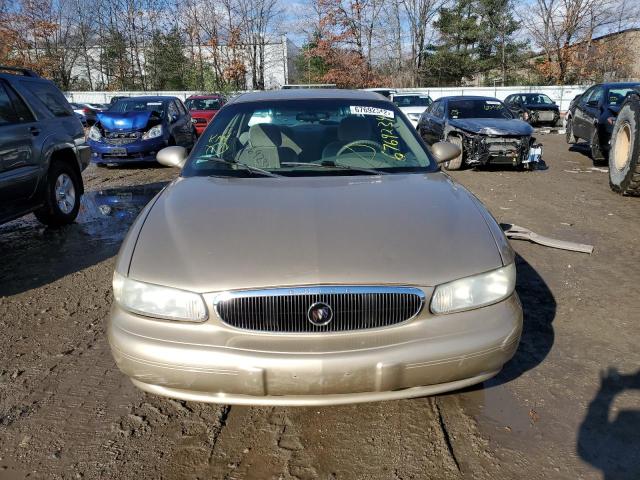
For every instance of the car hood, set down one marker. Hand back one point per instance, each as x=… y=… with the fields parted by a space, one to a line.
x=124 y=121
x=413 y=109
x=492 y=126
x=208 y=114
x=537 y=106
x=215 y=234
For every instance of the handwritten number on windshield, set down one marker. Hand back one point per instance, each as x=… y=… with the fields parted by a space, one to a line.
x=217 y=145
x=389 y=140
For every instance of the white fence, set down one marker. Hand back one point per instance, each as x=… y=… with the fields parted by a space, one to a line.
x=562 y=95
x=104 y=97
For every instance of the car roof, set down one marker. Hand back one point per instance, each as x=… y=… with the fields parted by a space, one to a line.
x=308 y=94
x=468 y=97
x=619 y=84
x=146 y=98
x=213 y=96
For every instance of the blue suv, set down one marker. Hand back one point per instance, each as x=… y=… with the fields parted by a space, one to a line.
x=42 y=150
x=135 y=128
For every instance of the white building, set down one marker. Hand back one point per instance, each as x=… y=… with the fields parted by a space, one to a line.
x=279 y=62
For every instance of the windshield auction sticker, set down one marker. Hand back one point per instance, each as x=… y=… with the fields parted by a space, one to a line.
x=358 y=110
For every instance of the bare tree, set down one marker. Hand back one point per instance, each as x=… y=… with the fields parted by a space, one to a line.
x=557 y=26
x=420 y=15
x=257 y=22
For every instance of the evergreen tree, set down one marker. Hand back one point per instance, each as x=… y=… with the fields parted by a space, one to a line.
x=167 y=65
x=310 y=68
x=475 y=36
x=498 y=51
x=455 y=56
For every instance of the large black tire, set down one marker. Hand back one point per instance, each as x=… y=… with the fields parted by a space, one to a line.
x=571 y=138
x=456 y=163
x=62 y=196
x=597 y=153
x=624 y=157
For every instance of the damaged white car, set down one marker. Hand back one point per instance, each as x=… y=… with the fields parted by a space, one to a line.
x=484 y=129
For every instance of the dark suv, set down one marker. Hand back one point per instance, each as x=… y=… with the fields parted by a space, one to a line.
x=42 y=150
x=593 y=115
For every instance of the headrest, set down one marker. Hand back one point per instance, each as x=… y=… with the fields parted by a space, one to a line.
x=354 y=128
x=265 y=135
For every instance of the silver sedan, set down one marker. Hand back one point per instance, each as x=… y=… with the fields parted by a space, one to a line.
x=311 y=252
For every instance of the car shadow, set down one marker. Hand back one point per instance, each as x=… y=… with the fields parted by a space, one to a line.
x=133 y=166
x=539 y=308
x=540 y=166
x=584 y=148
x=34 y=255
x=609 y=439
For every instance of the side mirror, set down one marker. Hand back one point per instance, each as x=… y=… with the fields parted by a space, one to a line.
x=445 y=151
x=172 y=156
x=173 y=118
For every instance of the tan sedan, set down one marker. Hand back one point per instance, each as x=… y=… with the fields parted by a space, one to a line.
x=311 y=252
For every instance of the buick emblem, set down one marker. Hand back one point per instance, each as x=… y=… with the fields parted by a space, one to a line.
x=320 y=314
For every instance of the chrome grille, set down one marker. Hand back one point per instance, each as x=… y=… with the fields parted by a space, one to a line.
x=120 y=138
x=119 y=141
x=286 y=310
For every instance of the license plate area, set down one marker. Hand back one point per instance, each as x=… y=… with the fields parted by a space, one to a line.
x=118 y=152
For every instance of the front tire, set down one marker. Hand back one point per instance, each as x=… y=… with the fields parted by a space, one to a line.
x=62 y=196
x=456 y=163
x=624 y=158
x=597 y=155
x=571 y=138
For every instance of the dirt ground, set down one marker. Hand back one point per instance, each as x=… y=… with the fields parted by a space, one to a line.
x=566 y=407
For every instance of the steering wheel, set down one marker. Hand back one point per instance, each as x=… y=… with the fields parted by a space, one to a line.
x=359 y=143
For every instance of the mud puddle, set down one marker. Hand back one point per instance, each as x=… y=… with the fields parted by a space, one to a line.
x=34 y=255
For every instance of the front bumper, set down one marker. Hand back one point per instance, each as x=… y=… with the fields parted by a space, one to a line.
x=84 y=155
x=497 y=150
x=138 y=151
x=200 y=128
x=211 y=362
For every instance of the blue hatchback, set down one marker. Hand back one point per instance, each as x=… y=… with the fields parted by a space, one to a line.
x=135 y=128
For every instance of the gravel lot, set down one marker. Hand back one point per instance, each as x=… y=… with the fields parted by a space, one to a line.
x=566 y=407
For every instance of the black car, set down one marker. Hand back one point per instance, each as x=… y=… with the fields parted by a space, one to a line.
x=42 y=150
x=535 y=108
x=483 y=127
x=115 y=99
x=592 y=117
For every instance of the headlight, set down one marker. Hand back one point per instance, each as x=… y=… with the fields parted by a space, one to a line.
x=157 y=301
x=94 y=133
x=153 y=132
x=475 y=291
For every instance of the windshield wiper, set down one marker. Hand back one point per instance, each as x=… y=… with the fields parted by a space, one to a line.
x=246 y=166
x=328 y=164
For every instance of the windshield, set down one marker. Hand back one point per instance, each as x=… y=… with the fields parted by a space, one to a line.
x=308 y=137
x=130 y=105
x=202 y=104
x=478 y=109
x=536 y=99
x=412 y=101
x=617 y=95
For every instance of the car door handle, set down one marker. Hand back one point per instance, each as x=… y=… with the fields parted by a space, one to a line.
x=34 y=131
